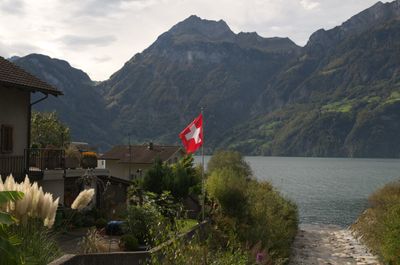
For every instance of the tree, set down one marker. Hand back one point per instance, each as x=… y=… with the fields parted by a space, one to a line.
x=185 y=178
x=47 y=129
x=229 y=159
x=180 y=178
x=155 y=178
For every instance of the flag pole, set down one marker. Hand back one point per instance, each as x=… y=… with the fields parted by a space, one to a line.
x=203 y=187
x=202 y=171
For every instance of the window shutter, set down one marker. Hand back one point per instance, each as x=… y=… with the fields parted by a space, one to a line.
x=6 y=139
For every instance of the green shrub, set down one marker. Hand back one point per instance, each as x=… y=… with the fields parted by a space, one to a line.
x=229 y=189
x=141 y=220
x=155 y=178
x=229 y=159
x=198 y=248
x=101 y=223
x=180 y=178
x=129 y=242
x=273 y=220
x=269 y=222
x=253 y=211
x=379 y=226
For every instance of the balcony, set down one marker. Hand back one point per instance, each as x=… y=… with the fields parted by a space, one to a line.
x=12 y=165
x=38 y=160
x=34 y=162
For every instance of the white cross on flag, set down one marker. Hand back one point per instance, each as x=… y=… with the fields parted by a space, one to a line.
x=192 y=135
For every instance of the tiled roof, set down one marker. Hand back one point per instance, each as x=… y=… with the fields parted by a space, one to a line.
x=141 y=154
x=10 y=74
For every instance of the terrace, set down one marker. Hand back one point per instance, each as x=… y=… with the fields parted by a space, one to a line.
x=33 y=163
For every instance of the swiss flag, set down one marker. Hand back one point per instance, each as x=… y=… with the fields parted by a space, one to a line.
x=192 y=135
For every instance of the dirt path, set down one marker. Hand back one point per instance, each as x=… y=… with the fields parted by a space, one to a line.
x=325 y=244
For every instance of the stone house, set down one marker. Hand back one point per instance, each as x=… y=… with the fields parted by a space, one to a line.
x=130 y=161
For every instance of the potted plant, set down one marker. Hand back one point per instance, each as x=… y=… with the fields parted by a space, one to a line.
x=89 y=160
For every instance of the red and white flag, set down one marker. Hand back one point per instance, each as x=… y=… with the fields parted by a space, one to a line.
x=192 y=135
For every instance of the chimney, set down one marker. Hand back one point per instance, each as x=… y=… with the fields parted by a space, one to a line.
x=150 y=146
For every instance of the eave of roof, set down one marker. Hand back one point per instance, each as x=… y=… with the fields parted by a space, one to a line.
x=32 y=89
x=13 y=76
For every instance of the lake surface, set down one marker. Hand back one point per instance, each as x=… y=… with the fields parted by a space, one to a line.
x=326 y=190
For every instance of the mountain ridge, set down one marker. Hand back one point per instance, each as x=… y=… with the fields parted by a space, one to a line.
x=339 y=95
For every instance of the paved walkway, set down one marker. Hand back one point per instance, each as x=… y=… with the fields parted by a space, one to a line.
x=325 y=244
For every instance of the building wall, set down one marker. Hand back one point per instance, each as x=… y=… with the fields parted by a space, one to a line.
x=14 y=106
x=55 y=187
x=121 y=170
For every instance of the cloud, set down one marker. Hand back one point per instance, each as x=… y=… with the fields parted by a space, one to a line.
x=97 y=8
x=309 y=4
x=17 y=49
x=89 y=32
x=76 y=41
x=102 y=59
x=12 y=7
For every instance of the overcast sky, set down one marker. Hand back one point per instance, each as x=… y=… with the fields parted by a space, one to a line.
x=99 y=36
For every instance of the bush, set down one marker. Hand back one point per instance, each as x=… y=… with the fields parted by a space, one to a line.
x=379 y=226
x=180 y=178
x=273 y=220
x=253 y=211
x=141 y=220
x=155 y=178
x=229 y=189
x=184 y=178
x=198 y=248
x=129 y=242
x=229 y=159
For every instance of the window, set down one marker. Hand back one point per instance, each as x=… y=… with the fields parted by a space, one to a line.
x=6 y=139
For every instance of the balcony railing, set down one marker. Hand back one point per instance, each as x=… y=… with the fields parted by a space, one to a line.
x=12 y=165
x=45 y=159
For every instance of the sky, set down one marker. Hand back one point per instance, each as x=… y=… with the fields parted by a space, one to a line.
x=99 y=36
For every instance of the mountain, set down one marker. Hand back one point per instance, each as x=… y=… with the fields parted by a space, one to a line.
x=81 y=107
x=198 y=63
x=340 y=97
x=337 y=96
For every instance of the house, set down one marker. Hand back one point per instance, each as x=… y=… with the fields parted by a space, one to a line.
x=45 y=166
x=16 y=87
x=130 y=161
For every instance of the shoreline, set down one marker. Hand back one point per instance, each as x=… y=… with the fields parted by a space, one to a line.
x=329 y=244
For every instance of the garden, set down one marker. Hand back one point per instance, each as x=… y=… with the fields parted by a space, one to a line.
x=246 y=221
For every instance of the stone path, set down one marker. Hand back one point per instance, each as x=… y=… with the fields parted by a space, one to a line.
x=326 y=244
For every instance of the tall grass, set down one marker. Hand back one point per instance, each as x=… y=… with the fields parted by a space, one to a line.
x=38 y=243
x=379 y=225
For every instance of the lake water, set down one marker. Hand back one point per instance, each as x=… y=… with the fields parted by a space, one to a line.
x=326 y=190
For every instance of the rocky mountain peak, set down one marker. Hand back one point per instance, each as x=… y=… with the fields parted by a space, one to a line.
x=369 y=18
x=195 y=25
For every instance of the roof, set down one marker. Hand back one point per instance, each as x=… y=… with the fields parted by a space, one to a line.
x=10 y=74
x=141 y=154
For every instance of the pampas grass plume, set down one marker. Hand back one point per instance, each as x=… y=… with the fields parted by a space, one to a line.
x=83 y=199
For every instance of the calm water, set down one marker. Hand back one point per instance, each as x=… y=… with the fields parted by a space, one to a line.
x=327 y=190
